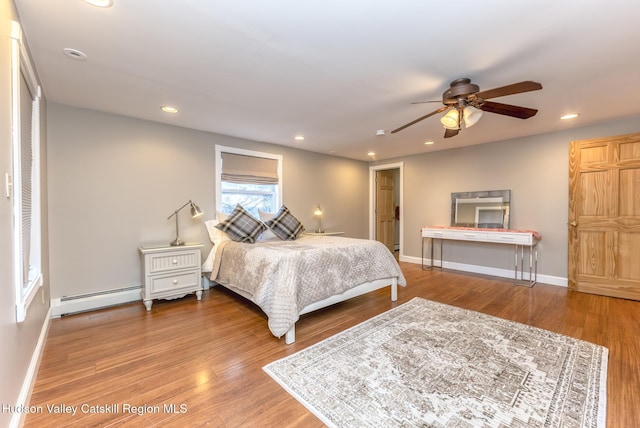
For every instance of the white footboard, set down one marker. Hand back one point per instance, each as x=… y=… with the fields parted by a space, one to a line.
x=361 y=289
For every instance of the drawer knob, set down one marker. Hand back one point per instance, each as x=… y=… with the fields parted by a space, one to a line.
x=175 y=281
x=174 y=261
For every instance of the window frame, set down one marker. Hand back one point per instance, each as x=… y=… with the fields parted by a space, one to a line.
x=218 y=166
x=21 y=66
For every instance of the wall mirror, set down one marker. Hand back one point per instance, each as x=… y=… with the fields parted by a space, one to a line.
x=484 y=209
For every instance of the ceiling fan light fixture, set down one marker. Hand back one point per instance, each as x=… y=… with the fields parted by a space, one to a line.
x=471 y=116
x=451 y=119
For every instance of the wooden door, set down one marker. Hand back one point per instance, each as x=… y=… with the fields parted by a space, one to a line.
x=604 y=216
x=385 y=208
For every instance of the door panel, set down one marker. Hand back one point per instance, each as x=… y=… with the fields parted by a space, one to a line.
x=630 y=192
x=629 y=151
x=604 y=216
x=593 y=186
x=595 y=244
x=385 y=208
x=593 y=155
x=628 y=265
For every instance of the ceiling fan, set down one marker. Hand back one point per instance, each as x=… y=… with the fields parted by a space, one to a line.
x=466 y=102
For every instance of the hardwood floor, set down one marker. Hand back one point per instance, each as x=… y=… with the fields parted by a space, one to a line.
x=206 y=358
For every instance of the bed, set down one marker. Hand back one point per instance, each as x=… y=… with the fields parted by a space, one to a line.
x=289 y=278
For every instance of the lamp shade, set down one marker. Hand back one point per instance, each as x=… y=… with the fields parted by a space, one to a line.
x=451 y=119
x=471 y=116
x=318 y=213
x=195 y=210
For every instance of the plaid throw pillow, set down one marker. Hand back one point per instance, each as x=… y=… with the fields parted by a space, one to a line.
x=285 y=225
x=241 y=226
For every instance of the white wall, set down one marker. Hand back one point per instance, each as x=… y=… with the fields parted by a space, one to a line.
x=535 y=169
x=18 y=341
x=113 y=181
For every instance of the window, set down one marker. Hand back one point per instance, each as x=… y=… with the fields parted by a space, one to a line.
x=251 y=179
x=252 y=197
x=25 y=177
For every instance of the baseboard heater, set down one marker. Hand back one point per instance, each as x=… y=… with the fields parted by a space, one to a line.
x=68 y=305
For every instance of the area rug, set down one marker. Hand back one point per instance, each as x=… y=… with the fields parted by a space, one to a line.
x=426 y=364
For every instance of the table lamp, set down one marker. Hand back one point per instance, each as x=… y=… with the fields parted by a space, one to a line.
x=195 y=212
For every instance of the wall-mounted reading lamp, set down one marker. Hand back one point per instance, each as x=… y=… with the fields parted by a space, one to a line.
x=195 y=212
x=318 y=213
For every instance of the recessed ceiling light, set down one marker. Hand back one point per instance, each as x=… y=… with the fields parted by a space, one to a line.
x=75 y=54
x=381 y=132
x=169 y=109
x=100 y=3
x=299 y=137
x=569 y=116
x=371 y=154
x=428 y=143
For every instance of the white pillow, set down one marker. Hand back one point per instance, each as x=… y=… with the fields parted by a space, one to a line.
x=265 y=216
x=268 y=234
x=216 y=236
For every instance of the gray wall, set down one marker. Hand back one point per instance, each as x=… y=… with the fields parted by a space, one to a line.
x=113 y=181
x=18 y=340
x=535 y=169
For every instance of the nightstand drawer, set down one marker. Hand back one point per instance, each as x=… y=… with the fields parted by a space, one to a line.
x=160 y=284
x=171 y=261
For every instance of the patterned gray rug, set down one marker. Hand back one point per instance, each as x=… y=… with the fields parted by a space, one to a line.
x=426 y=364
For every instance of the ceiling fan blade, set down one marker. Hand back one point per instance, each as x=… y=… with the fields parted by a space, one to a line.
x=441 y=109
x=448 y=133
x=509 y=110
x=515 y=88
x=424 y=102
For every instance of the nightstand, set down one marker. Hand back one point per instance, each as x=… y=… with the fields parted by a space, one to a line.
x=170 y=272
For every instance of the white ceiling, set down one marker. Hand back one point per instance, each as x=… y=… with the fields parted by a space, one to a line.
x=338 y=70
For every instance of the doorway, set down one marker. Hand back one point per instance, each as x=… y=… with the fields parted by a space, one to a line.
x=386 y=211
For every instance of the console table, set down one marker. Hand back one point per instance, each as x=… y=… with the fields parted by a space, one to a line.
x=518 y=238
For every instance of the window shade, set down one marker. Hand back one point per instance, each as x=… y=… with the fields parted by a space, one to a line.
x=248 y=169
x=26 y=157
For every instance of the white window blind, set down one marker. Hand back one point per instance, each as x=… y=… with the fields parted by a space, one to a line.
x=26 y=172
x=248 y=169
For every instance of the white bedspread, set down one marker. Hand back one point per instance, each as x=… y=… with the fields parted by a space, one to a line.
x=282 y=277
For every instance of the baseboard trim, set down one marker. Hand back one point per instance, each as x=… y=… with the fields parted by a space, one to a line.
x=18 y=418
x=84 y=303
x=75 y=304
x=485 y=270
